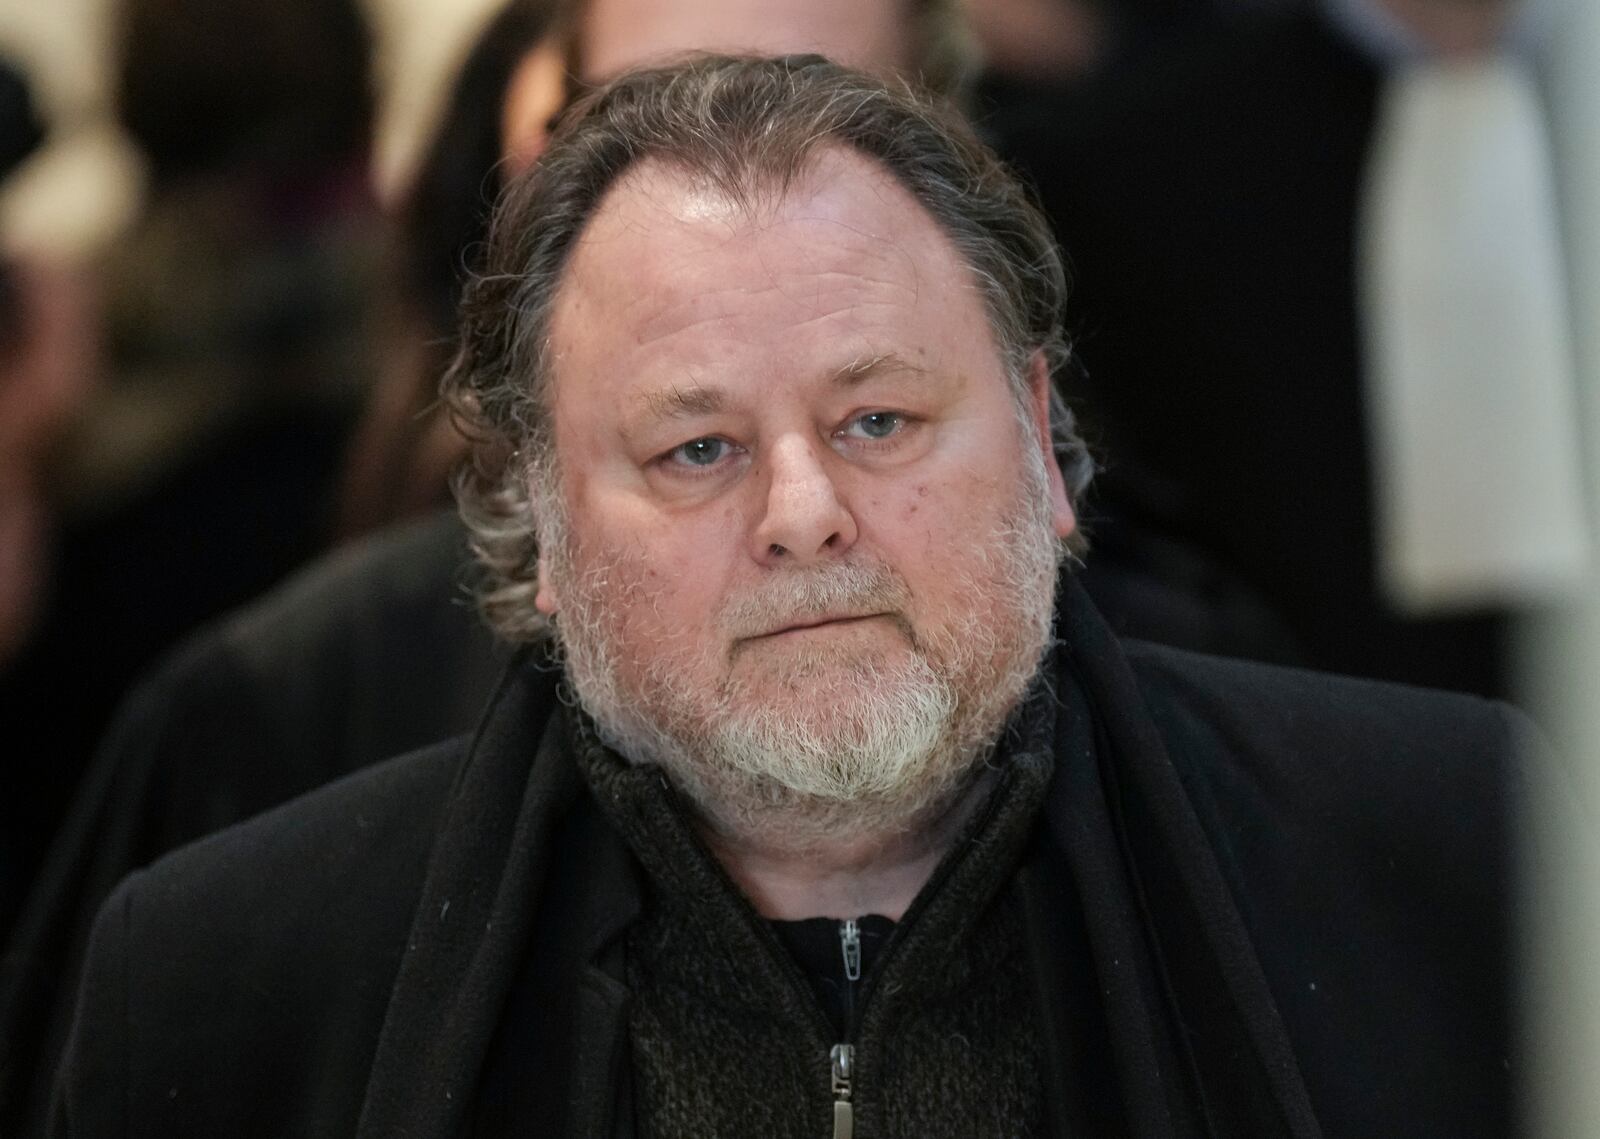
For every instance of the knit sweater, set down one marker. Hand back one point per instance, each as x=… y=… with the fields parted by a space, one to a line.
x=727 y=1037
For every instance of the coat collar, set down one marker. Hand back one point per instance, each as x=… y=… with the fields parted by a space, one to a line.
x=1183 y=985
x=501 y=874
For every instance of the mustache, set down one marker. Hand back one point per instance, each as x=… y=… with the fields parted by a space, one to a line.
x=797 y=596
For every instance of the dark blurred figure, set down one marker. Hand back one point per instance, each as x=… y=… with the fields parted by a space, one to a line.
x=280 y=469
x=244 y=294
x=30 y=408
x=1212 y=199
x=43 y=378
x=237 y=333
x=225 y=85
x=1032 y=48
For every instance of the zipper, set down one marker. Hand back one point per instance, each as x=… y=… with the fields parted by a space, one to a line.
x=843 y=1061
x=842 y=1058
x=850 y=946
x=850 y=950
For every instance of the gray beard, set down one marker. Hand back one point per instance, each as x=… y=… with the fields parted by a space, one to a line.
x=865 y=749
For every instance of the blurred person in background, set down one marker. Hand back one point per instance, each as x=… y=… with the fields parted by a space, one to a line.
x=1319 y=305
x=239 y=320
x=45 y=374
x=241 y=308
x=235 y=332
x=36 y=397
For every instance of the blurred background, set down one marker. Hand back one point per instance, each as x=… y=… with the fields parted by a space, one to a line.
x=1337 y=281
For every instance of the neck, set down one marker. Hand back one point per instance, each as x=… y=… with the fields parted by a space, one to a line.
x=844 y=878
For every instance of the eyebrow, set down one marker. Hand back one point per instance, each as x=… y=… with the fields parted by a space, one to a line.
x=682 y=403
x=864 y=368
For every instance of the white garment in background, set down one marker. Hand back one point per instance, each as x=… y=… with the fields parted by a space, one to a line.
x=1472 y=405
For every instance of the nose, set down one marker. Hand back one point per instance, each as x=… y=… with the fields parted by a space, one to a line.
x=804 y=518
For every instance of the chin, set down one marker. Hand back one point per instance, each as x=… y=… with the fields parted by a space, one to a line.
x=818 y=680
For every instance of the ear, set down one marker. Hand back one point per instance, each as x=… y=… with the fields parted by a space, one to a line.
x=533 y=96
x=544 y=599
x=1061 y=512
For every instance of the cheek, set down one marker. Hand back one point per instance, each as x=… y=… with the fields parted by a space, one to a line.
x=919 y=528
x=670 y=593
x=944 y=506
x=928 y=529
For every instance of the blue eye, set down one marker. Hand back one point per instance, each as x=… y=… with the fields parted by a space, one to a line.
x=700 y=452
x=878 y=424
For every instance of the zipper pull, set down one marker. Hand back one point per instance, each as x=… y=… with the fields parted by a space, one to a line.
x=843 y=1058
x=850 y=944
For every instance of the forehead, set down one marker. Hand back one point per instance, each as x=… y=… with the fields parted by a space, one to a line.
x=845 y=260
x=873 y=35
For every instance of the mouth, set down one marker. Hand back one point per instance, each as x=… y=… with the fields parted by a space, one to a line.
x=808 y=625
x=821 y=623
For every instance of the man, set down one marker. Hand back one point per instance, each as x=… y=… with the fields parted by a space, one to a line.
x=835 y=831
x=1229 y=206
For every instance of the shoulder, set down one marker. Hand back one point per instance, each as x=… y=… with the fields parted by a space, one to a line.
x=1312 y=741
x=342 y=604
x=353 y=850
x=368 y=653
x=1285 y=704
x=388 y=579
x=1311 y=785
x=1368 y=835
x=1301 y=714
x=238 y=985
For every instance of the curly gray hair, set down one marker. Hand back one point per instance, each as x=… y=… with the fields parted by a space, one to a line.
x=746 y=127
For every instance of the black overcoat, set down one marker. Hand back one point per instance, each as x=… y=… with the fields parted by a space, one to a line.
x=1318 y=872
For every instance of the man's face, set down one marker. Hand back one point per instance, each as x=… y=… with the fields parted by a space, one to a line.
x=1454 y=28
x=616 y=35
x=809 y=540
